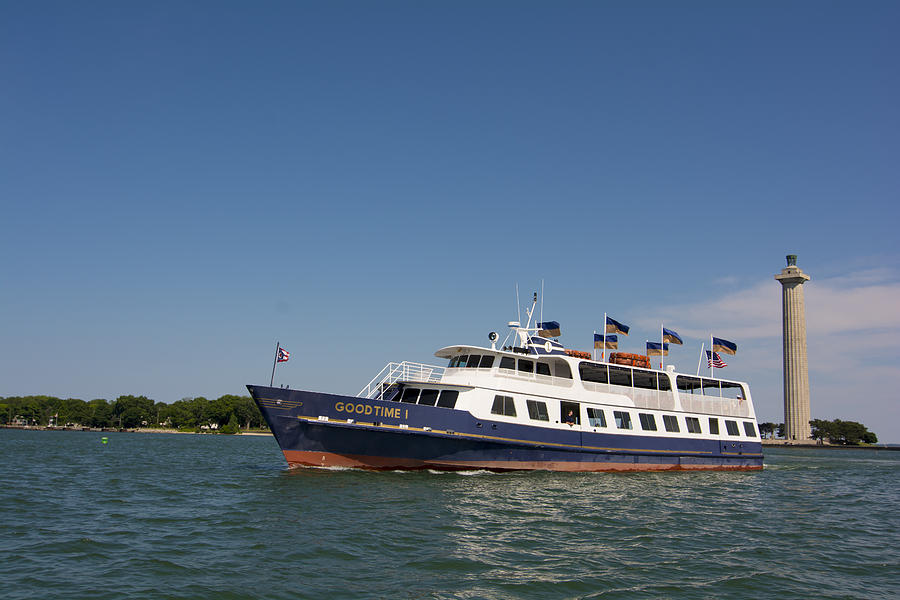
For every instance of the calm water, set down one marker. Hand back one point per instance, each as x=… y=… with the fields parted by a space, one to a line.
x=185 y=516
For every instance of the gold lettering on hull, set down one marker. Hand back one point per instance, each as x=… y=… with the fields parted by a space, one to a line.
x=388 y=412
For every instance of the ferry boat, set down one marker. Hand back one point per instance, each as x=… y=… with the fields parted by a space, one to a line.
x=530 y=405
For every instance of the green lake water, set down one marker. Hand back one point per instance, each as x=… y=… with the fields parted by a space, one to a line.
x=190 y=516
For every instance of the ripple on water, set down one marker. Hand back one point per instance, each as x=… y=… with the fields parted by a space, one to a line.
x=221 y=517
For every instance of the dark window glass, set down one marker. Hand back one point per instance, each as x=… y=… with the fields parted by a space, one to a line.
x=561 y=369
x=687 y=385
x=473 y=360
x=711 y=388
x=664 y=385
x=537 y=410
x=453 y=362
x=543 y=369
x=693 y=424
x=714 y=426
x=623 y=419
x=503 y=405
x=487 y=361
x=620 y=376
x=648 y=423
x=645 y=380
x=462 y=360
x=731 y=427
x=410 y=395
x=428 y=397
x=749 y=429
x=671 y=423
x=596 y=417
x=593 y=372
x=570 y=413
x=448 y=399
x=508 y=362
x=526 y=366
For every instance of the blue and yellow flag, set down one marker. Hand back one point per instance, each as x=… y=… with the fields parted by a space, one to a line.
x=657 y=349
x=723 y=346
x=610 y=343
x=671 y=337
x=548 y=329
x=613 y=326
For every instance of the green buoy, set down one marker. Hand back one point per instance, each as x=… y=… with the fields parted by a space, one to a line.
x=104 y=440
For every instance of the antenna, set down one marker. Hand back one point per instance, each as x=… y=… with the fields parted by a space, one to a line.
x=518 y=308
x=542 y=300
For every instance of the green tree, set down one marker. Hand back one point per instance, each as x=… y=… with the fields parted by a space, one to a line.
x=101 y=413
x=133 y=411
x=232 y=426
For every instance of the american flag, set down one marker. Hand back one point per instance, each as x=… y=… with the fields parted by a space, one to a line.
x=283 y=355
x=715 y=360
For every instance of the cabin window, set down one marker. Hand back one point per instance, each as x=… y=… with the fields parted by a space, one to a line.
x=570 y=412
x=461 y=360
x=671 y=423
x=693 y=424
x=648 y=423
x=508 y=362
x=623 y=419
x=687 y=385
x=749 y=429
x=714 y=426
x=645 y=380
x=526 y=366
x=453 y=362
x=503 y=405
x=731 y=427
x=543 y=368
x=593 y=372
x=410 y=395
x=711 y=388
x=473 y=360
x=731 y=390
x=596 y=417
x=537 y=410
x=620 y=376
x=664 y=385
x=428 y=397
x=487 y=361
x=561 y=369
x=448 y=398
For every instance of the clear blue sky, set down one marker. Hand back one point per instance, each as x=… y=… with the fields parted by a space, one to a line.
x=183 y=184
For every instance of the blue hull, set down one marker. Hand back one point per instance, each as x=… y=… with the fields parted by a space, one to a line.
x=315 y=429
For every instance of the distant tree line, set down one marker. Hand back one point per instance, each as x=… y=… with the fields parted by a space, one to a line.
x=227 y=412
x=848 y=433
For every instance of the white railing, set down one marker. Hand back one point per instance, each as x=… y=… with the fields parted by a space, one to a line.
x=402 y=371
x=726 y=407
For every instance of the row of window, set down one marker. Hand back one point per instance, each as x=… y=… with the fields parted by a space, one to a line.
x=537 y=411
x=652 y=380
x=611 y=374
x=522 y=365
x=441 y=398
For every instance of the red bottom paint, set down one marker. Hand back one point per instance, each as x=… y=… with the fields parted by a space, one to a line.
x=301 y=458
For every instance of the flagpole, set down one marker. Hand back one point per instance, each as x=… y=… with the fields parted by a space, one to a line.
x=593 y=347
x=603 y=349
x=274 y=362
x=700 y=362
x=712 y=357
x=662 y=341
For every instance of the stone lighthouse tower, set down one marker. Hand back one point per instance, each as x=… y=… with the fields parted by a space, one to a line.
x=796 y=369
